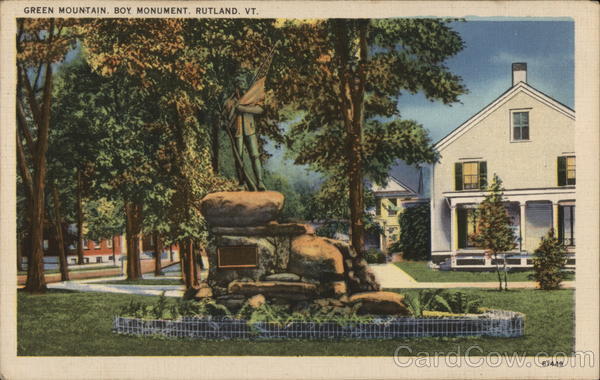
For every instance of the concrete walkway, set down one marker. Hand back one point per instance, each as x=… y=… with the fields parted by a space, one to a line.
x=392 y=277
x=99 y=285
x=389 y=276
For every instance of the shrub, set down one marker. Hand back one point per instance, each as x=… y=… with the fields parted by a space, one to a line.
x=415 y=233
x=375 y=256
x=549 y=262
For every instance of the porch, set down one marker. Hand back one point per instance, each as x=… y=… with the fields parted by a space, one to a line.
x=533 y=213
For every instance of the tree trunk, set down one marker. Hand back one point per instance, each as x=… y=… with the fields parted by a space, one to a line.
x=188 y=263
x=498 y=271
x=216 y=128
x=64 y=271
x=505 y=272
x=19 y=253
x=171 y=252
x=158 y=249
x=114 y=256
x=79 y=210
x=352 y=93
x=182 y=261
x=133 y=216
x=36 y=282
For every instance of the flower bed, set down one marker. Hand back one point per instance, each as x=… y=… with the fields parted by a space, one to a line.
x=493 y=323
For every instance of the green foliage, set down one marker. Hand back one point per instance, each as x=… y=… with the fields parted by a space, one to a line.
x=456 y=302
x=330 y=228
x=297 y=194
x=182 y=308
x=417 y=304
x=550 y=328
x=336 y=82
x=549 y=262
x=104 y=219
x=494 y=232
x=415 y=233
x=375 y=256
x=493 y=222
x=159 y=308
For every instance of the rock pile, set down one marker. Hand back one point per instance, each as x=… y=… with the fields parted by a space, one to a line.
x=291 y=265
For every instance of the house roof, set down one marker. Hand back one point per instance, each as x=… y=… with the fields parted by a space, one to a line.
x=520 y=87
x=394 y=186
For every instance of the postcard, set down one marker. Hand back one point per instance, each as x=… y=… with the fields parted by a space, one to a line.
x=299 y=189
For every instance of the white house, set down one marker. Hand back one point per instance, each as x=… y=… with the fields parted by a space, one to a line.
x=525 y=137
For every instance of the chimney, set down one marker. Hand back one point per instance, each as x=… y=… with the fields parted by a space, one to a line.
x=519 y=73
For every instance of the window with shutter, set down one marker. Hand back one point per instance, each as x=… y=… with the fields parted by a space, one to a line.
x=482 y=175
x=470 y=175
x=458 y=180
x=566 y=171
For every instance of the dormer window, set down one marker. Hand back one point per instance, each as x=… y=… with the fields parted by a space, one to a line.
x=520 y=125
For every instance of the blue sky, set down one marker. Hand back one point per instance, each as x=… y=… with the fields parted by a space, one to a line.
x=485 y=66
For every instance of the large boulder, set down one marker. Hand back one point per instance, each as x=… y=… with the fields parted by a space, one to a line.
x=312 y=256
x=357 y=274
x=380 y=303
x=280 y=289
x=241 y=208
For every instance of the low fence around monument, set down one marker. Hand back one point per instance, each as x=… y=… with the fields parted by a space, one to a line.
x=492 y=323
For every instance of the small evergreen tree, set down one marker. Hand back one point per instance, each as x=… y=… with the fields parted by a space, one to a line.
x=494 y=232
x=549 y=262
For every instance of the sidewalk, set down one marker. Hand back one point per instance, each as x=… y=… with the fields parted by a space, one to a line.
x=392 y=277
x=388 y=275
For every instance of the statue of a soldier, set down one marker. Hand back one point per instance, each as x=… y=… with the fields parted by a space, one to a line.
x=240 y=113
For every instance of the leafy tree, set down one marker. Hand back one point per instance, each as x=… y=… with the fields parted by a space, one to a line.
x=494 y=232
x=415 y=233
x=170 y=60
x=105 y=220
x=74 y=126
x=41 y=43
x=343 y=77
x=549 y=262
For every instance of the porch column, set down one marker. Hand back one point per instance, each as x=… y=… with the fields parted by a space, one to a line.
x=383 y=238
x=453 y=229
x=522 y=223
x=555 y=218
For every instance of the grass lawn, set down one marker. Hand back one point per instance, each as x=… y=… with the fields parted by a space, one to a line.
x=81 y=269
x=420 y=272
x=62 y=323
x=153 y=281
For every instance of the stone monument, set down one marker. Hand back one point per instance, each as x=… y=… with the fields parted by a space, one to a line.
x=286 y=263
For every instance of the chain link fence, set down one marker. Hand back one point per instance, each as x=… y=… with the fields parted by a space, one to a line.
x=493 y=323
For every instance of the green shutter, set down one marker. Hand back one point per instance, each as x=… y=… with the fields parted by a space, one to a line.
x=462 y=227
x=561 y=227
x=562 y=171
x=458 y=181
x=482 y=175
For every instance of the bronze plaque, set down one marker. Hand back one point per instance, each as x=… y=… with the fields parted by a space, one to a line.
x=237 y=257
